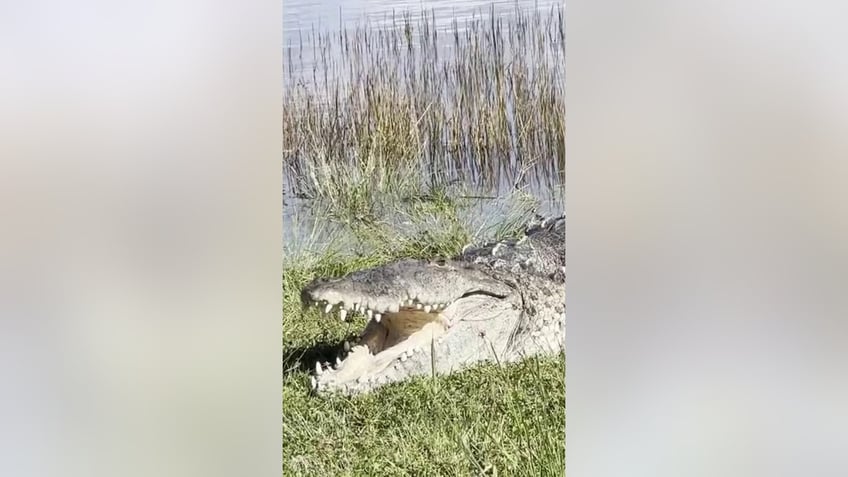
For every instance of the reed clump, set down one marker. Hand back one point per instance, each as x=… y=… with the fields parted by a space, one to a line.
x=403 y=108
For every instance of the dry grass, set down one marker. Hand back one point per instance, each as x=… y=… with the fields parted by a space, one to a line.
x=407 y=109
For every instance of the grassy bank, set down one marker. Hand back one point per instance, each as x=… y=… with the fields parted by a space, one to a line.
x=406 y=109
x=490 y=420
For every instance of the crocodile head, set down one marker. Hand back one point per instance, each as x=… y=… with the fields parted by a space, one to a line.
x=417 y=311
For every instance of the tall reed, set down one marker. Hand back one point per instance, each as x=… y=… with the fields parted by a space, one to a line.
x=406 y=108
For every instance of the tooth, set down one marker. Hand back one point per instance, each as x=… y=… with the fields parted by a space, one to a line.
x=427 y=308
x=343 y=314
x=318 y=369
x=338 y=361
x=313 y=382
x=347 y=345
x=418 y=306
x=369 y=313
x=328 y=308
x=377 y=317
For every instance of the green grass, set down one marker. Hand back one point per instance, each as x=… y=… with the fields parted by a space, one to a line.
x=488 y=420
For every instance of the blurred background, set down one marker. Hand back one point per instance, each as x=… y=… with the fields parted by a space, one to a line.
x=707 y=236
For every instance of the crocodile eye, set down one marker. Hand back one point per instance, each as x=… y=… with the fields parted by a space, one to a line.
x=441 y=262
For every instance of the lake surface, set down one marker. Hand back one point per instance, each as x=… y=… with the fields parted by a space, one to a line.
x=301 y=15
x=307 y=230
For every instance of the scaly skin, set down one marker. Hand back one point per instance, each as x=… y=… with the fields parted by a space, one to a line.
x=500 y=302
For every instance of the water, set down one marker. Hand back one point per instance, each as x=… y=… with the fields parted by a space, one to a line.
x=305 y=228
x=299 y=15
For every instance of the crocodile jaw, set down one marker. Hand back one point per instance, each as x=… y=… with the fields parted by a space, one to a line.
x=393 y=342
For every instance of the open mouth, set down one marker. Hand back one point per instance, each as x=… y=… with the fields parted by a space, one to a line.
x=412 y=307
x=393 y=334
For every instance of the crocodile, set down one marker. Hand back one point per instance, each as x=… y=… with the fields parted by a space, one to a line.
x=503 y=301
